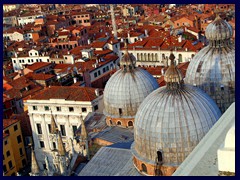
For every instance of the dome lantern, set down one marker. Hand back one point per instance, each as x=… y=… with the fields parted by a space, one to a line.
x=173 y=75
x=128 y=61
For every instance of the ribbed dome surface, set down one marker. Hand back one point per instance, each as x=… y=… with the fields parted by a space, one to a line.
x=213 y=69
x=127 y=90
x=219 y=29
x=173 y=122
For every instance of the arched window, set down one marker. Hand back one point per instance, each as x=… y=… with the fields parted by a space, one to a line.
x=130 y=123
x=156 y=56
x=159 y=156
x=163 y=56
x=119 y=123
x=144 y=168
x=192 y=55
x=120 y=110
x=149 y=57
x=138 y=57
x=179 y=58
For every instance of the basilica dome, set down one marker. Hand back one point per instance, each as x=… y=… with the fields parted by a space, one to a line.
x=127 y=88
x=170 y=123
x=219 y=29
x=213 y=68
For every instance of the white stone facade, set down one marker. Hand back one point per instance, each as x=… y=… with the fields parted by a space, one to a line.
x=158 y=57
x=67 y=115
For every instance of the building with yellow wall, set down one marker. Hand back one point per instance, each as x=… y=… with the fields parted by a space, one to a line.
x=14 y=155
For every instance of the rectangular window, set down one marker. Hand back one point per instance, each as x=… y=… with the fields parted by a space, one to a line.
x=8 y=153
x=35 y=108
x=107 y=68
x=19 y=139
x=14 y=61
x=71 y=109
x=95 y=74
x=104 y=70
x=39 y=129
x=74 y=129
x=20 y=151
x=49 y=128
x=15 y=127
x=54 y=145
x=46 y=108
x=10 y=165
x=99 y=73
x=4 y=168
x=62 y=127
x=23 y=61
x=3 y=157
x=7 y=132
x=31 y=60
x=40 y=60
x=95 y=107
x=6 y=142
x=47 y=60
x=42 y=144
x=58 y=108
x=84 y=109
x=120 y=111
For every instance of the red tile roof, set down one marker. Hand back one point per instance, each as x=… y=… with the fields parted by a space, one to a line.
x=98 y=44
x=71 y=93
x=9 y=122
x=20 y=84
x=39 y=76
x=37 y=65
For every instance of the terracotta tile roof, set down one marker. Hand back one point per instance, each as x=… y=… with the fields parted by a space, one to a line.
x=161 y=81
x=37 y=65
x=155 y=71
x=193 y=29
x=39 y=76
x=20 y=84
x=61 y=66
x=9 y=122
x=98 y=44
x=12 y=30
x=71 y=93
x=103 y=52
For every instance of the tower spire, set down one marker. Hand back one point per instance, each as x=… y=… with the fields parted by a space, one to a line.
x=61 y=148
x=54 y=128
x=84 y=134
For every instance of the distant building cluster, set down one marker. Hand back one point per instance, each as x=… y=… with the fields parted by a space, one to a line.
x=113 y=90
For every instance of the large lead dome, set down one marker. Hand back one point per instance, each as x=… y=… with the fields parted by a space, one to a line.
x=169 y=124
x=213 y=68
x=126 y=89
